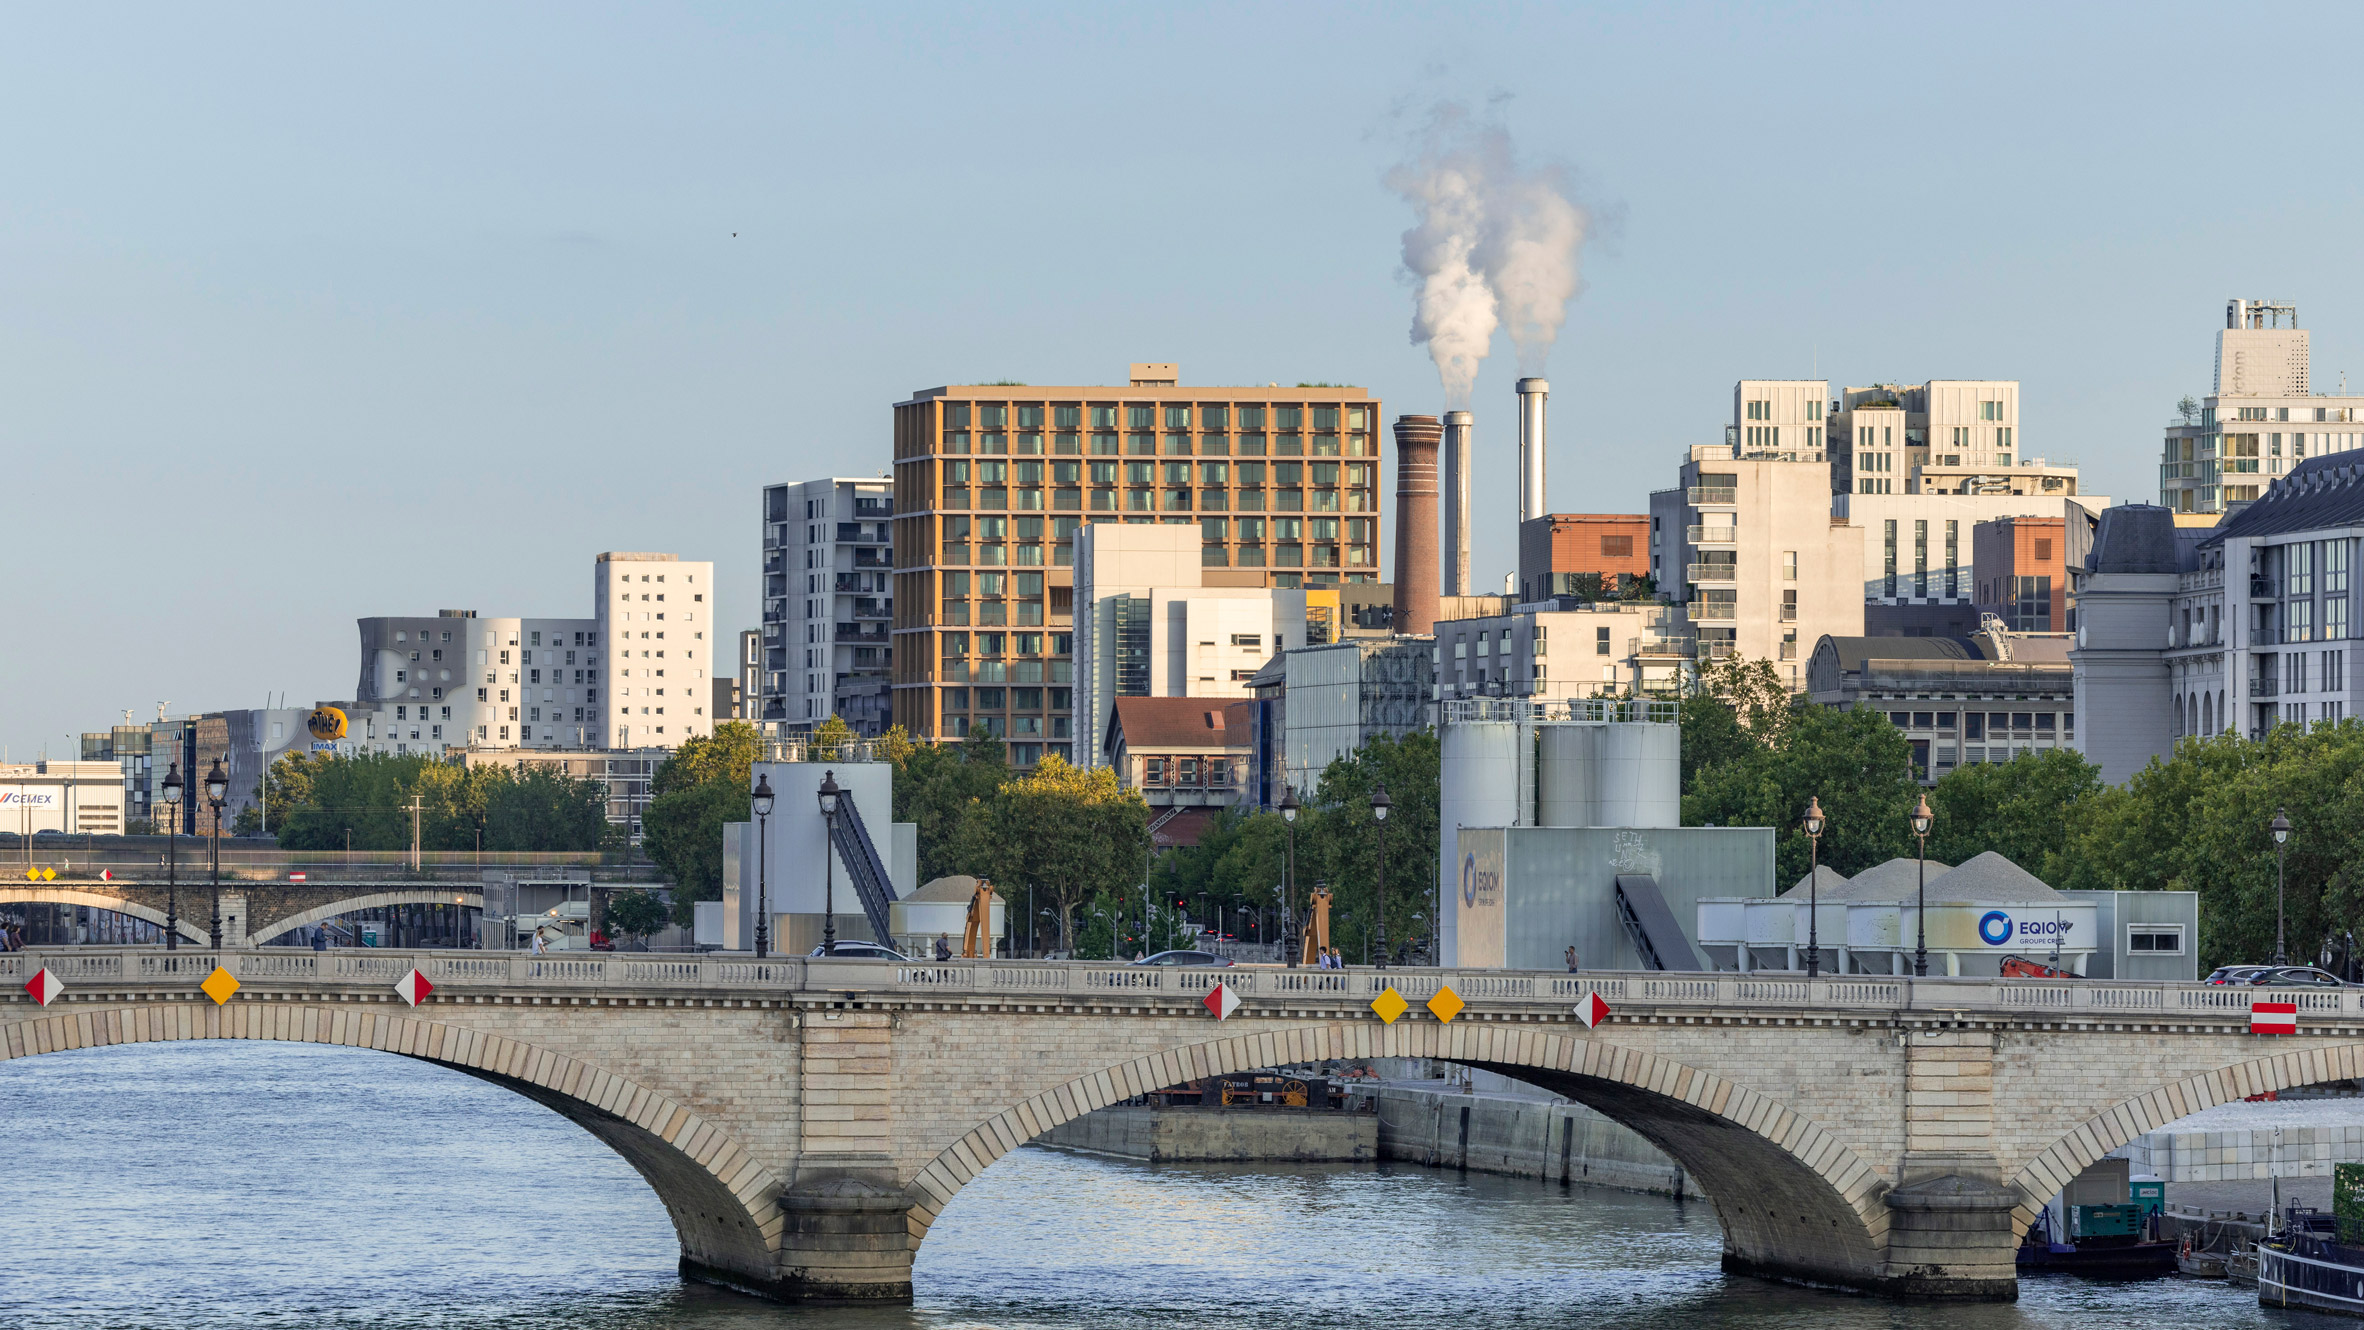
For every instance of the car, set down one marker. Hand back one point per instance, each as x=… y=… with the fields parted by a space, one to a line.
x=2295 y=976
x=2234 y=974
x=859 y=951
x=1184 y=958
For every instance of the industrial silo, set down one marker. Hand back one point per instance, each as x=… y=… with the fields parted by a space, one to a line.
x=1481 y=778
x=1565 y=794
x=1638 y=775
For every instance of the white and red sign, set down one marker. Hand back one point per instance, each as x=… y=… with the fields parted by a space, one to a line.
x=295 y=877
x=2273 y=1017
x=413 y=987
x=106 y=875
x=1220 y=1002
x=44 y=986
x=1592 y=1010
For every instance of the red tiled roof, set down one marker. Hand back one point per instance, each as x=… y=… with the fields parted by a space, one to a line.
x=1181 y=722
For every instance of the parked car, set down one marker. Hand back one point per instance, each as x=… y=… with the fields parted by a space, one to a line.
x=2295 y=976
x=1184 y=958
x=2234 y=974
x=860 y=951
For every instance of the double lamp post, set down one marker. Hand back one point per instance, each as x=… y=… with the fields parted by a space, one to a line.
x=761 y=799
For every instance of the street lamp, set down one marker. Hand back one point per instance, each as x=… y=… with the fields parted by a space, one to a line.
x=829 y=793
x=1288 y=812
x=217 y=785
x=1921 y=817
x=762 y=799
x=1813 y=827
x=1380 y=803
x=172 y=871
x=2280 y=826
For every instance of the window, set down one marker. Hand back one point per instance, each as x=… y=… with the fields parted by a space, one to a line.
x=2155 y=939
x=1247 y=640
x=1789 y=608
x=1789 y=564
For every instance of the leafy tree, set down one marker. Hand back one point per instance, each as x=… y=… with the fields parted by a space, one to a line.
x=682 y=834
x=2188 y=408
x=316 y=800
x=1118 y=925
x=637 y=914
x=2028 y=810
x=1735 y=706
x=832 y=740
x=1338 y=841
x=1068 y=832
x=1854 y=761
x=730 y=753
x=937 y=784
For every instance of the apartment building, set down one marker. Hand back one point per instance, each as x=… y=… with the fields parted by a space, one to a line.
x=2022 y=568
x=2260 y=420
x=1555 y=651
x=828 y=603
x=1749 y=540
x=1563 y=554
x=633 y=674
x=1152 y=622
x=1315 y=705
x=1945 y=436
x=1920 y=550
x=992 y=482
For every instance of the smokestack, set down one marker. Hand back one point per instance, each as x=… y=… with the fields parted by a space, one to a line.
x=1416 y=440
x=1532 y=392
x=1455 y=522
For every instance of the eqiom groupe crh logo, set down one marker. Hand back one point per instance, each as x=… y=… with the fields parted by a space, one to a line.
x=1995 y=928
x=1469 y=879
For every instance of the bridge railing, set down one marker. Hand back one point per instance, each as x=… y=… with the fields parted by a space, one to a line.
x=85 y=969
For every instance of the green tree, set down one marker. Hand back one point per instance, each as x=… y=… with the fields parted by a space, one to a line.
x=936 y=786
x=637 y=914
x=1068 y=832
x=1734 y=707
x=1338 y=841
x=2029 y=810
x=1854 y=761
x=315 y=800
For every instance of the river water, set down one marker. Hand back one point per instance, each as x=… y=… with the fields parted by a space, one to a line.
x=226 y=1184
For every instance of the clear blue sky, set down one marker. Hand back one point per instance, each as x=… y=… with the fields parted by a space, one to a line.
x=315 y=312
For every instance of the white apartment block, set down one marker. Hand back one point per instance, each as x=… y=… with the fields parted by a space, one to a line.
x=632 y=675
x=2262 y=418
x=1764 y=569
x=828 y=565
x=1945 y=436
x=1147 y=625
x=1916 y=547
x=1541 y=653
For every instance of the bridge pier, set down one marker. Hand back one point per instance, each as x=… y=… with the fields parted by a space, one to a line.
x=848 y=1236
x=1950 y=1236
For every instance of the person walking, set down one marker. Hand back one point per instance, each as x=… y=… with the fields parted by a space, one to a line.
x=1571 y=960
x=943 y=946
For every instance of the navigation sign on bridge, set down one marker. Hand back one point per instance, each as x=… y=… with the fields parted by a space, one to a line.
x=2273 y=1018
x=1592 y=1011
x=43 y=986
x=413 y=988
x=219 y=985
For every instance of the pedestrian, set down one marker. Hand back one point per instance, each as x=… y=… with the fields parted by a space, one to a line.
x=943 y=946
x=537 y=942
x=1571 y=960
x=319 y=939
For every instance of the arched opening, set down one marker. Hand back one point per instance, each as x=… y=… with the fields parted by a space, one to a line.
x=455 y=917
x=1792 y=1200
x=34 y=907
x=723 y=1205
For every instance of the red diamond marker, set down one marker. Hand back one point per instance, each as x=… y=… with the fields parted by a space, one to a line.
x=1220 y=1002
x=1592 y=1010
x=44 y=986
x=413 y=987
x=106 y=875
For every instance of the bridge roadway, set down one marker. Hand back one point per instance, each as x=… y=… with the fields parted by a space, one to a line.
x=806 y=1121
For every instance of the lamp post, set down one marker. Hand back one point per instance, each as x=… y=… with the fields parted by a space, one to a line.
x=172 y=870
x=1921 y=817
x=1288 y=812
x=829 y=793
x=1813 y=827
x=2280 y=826
x=217 y=785
x=762 y=801
x=1380 y=803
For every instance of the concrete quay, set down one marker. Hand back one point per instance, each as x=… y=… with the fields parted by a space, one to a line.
x=1194 y=1134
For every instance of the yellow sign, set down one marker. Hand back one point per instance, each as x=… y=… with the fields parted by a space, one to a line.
x=32 y=875
x=1446 y=1005
x=1390 y=1005
x=326 y=724
x=49 y=875
x=219 y=985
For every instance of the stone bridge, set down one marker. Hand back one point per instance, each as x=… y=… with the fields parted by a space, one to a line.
x=805 y=1121
x=253 y=912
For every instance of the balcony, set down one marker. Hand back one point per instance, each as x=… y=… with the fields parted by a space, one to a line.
x=2262 y=587
x=870 y=607
x=1717 y=649
x=1712 y=535
x=1712 y=494
x=2265 y=637
x=874 y=558
x=856 y=533
x=1707 y=609
x=2264 y=685
x=845 y=584
x=1711 y=572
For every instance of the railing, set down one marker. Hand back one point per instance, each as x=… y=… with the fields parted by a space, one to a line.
x=87 y=971
x=1725 y=534
x=1711 y=572
x=1711 y=609
x=1713 y=494
x=1463 y=710
x=2262 y=587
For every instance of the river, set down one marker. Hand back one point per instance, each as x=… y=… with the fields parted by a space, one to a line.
x=227 y=1184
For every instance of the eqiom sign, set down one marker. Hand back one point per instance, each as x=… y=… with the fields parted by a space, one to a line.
x=1971 y=926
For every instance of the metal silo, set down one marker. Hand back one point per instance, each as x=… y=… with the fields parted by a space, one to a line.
x=1479 y=784
x=1638 y=775
x=1564 y=775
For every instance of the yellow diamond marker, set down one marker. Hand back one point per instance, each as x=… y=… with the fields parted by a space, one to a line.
x=1390 y=1005
x=219 y=985
x=32 y=875
x=1446 y=1004
x=49 y=875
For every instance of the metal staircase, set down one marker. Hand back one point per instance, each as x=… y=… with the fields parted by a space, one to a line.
x=859 y=854
x=1641 y=907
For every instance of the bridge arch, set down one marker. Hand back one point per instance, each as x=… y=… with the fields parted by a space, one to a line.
x=190 y=931
x=372 y=901
x=2051 y=1168
x=1792 y=1198
x=723 y=1203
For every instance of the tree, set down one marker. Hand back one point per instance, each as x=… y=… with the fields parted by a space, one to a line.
x=682 y=834
x=1069 y=832
x=2187 y=408
x=1338 y=841
x=832 y=740
x=637 y=914
x=1735 y=706
x=2028 y=810
x=1854 y=761
x=325 y=802
x=935 y=787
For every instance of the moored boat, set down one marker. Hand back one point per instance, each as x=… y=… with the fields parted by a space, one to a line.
x=2306 y=1265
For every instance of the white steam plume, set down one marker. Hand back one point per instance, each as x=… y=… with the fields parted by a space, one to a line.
x=1495 y=244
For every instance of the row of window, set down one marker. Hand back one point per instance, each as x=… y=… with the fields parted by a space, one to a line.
x=1359 y=475
x=1211 y=415
x=1174 y=445
x=1980 y=724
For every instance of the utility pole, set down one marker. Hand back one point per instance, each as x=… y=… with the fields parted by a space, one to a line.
x=415 y=803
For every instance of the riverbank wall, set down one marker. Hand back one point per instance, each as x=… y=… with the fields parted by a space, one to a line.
x=1490 y=1124
x=1193 y=1134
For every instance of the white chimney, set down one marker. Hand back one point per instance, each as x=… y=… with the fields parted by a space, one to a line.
x=1453 y=514
x=1532 y=393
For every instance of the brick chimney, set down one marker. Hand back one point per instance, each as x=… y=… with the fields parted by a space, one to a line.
x=1416 y=442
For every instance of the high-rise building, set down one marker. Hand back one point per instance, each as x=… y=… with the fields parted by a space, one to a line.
x=2260 y=421
x=1945 y=436
x=828 y=569
x=992 y=482
x=1147 y=625
x=642 y=686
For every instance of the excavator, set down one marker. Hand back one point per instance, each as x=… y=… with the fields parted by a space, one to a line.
x=1317 y=928
x=976 y=941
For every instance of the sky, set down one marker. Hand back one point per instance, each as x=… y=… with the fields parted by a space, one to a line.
x=310 y=313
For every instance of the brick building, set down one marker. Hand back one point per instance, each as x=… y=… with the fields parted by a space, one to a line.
x=1557 y=549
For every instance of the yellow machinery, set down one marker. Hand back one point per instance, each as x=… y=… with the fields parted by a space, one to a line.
x=977 y=939
x=1317 y=928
